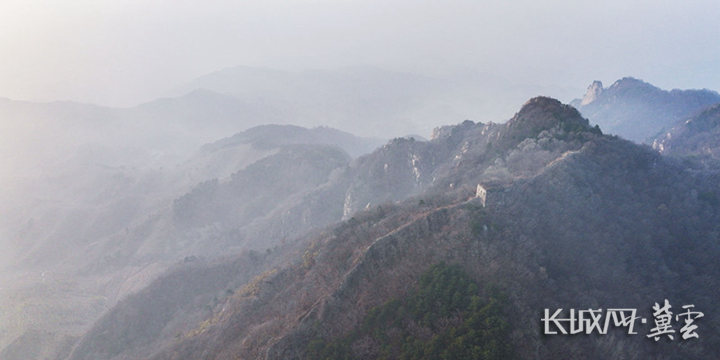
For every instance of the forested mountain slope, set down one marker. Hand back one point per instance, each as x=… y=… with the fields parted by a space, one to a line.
x=571 y=219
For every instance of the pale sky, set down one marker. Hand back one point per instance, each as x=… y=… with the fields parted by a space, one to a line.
x=121 y=53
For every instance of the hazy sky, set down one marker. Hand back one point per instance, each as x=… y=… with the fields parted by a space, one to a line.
x=124 y=52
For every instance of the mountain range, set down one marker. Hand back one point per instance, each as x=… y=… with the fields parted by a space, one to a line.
x=557 y=231
x=639 y=111
x=286 y=242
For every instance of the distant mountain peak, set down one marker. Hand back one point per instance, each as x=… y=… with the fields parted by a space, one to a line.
x=628 y=80
x=593 y=92
x=639 y=111
x=275 y=135
x=633 y=84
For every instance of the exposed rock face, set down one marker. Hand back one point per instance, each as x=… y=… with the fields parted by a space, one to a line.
x=638 y=111
x=593 y=92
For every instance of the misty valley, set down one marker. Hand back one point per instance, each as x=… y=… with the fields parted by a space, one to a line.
x=262 y=214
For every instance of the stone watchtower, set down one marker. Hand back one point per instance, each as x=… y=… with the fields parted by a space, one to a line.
x=481 y=193
x=493 y=192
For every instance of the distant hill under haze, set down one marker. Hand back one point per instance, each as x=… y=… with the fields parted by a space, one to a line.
x=639 y=111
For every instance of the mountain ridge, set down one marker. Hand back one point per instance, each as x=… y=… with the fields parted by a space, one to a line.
x=639 y=111
x=583 y=218
x=698 y=136
x=305 y=241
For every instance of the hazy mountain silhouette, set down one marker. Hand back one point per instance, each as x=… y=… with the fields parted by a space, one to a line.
x=363 y=100
x=105 y=220
x=638 y=111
